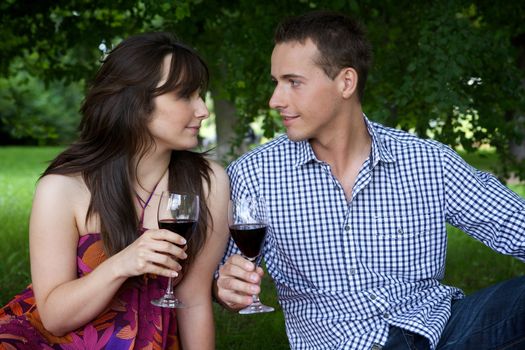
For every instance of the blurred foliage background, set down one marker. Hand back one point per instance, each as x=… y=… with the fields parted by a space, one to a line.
x=453 y=70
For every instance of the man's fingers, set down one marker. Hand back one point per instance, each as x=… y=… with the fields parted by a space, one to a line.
x=238 y=281
x=234 y=299
x=260 y=271
x=230 y=270
x=237 y=286
x=241 y=262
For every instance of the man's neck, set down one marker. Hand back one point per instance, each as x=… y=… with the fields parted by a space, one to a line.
x=349 y=141
x=345 y=149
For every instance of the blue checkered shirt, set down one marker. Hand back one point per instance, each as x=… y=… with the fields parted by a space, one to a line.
x=347 y=270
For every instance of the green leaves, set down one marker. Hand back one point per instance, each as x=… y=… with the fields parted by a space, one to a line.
x=433 y=62
x=31 y=114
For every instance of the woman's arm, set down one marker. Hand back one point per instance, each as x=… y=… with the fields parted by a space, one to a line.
x=66 y=302
x=195 y=322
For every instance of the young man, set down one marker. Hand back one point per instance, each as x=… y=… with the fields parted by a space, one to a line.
x=357 y=240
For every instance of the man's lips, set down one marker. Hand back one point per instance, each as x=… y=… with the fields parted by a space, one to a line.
x=288 y=119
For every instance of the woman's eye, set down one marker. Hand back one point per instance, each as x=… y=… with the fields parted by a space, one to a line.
x=184 y=97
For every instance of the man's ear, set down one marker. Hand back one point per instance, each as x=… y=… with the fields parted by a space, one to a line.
x=348 y=77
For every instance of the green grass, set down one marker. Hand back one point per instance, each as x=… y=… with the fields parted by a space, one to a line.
x=20 y=168
x=258 y=332
x=470 y=265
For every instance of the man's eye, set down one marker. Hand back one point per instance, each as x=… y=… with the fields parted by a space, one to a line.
x=294 y=82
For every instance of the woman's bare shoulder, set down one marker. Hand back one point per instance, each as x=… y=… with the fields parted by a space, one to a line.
x=63 y=186
x=217 y=171
x=62 y=192
x=219 y=189
x=65 y=198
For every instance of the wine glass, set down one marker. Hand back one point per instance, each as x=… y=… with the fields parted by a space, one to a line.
x=178 y=213
x=248 y=223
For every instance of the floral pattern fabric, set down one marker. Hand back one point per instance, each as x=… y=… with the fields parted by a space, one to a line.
x=130 y=321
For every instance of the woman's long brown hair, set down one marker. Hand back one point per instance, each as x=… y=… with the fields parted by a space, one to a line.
x=114 y=135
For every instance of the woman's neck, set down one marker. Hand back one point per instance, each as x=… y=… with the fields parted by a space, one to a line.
x=150 y=169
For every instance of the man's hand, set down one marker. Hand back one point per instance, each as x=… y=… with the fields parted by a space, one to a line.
x=237 y=282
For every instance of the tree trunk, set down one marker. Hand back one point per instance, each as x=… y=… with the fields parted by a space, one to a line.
x=225 y=119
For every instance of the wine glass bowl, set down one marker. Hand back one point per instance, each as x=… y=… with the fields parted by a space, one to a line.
x=177 y=213
x=248 y=223
x=249 y=238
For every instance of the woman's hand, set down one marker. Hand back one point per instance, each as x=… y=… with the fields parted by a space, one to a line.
x=155 y=251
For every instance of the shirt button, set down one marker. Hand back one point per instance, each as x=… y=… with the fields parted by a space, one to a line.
x=400 y=231
x=386 y=315
x=352 y=271
x=376 y=347
x=347 y=228
x=372 y=297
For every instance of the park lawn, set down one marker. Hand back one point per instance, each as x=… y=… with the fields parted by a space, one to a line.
x=470 y=265
x=20 y=168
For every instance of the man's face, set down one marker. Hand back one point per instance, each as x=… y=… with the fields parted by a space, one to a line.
x=307 y=99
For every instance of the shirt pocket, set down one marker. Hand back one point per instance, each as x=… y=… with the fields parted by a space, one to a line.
x=400 y=226
x=403 y=246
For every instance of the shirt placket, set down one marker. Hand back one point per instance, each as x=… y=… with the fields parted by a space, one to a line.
x=349 y=245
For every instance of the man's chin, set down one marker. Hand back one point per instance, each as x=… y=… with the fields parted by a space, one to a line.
x=294 y=136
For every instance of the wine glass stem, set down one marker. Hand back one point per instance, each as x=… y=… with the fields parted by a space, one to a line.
x=169 y=289
x=255 y=298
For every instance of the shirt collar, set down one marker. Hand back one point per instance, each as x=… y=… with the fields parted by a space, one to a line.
x=378 y=153
x=305 y=153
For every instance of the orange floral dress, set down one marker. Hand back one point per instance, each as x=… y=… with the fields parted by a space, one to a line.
x=130 y=321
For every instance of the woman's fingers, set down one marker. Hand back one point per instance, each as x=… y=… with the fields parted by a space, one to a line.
x=164 y=247
x=166 y=235
x=157 y=252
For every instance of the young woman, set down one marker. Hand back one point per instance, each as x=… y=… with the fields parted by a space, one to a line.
x=97 y=255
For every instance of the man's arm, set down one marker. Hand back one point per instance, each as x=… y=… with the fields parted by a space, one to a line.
x=477 y=203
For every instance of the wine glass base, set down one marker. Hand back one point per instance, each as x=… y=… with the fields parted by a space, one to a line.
x=168 y=301
x=256 y=308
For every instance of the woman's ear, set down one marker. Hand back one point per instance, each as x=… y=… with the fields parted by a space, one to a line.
x=348 y=78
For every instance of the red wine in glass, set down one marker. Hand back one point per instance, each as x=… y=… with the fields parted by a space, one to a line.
x=247 y=219
x=182 y=227
x=178 y=213
x=249 y=238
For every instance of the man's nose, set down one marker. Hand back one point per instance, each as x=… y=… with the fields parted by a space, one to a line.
x=277 y=99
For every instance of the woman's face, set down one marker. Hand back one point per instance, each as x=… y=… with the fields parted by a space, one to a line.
x=175 y=120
